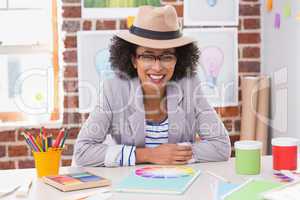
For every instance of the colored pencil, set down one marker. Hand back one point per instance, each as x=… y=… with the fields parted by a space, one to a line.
x=64 y=139
x=58 y=139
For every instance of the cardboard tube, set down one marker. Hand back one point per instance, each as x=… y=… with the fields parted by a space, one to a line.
x=249 y=86
x=262 y=119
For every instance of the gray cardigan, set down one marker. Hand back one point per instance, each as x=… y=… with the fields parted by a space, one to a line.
x=120 y=113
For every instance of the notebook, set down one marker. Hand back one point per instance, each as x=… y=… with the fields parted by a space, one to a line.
x=76 y=181
x=224 y=188
x=159 y=180
x=251 y=190
x=287 y=192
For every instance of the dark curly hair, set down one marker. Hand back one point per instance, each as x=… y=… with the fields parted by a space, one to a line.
x=121 y=52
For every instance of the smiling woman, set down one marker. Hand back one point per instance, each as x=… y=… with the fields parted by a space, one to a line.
x=121 y=52
x=154 y=107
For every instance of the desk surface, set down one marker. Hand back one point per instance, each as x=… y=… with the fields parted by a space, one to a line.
x=202 y=187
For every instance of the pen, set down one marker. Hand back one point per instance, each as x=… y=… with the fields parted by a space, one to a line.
x=28 y=142
x=218 y=176
x=24 y=189
x=32 y=140
x=49 y=141
x=45 y=144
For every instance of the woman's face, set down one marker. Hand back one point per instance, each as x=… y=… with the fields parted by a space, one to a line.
x=155 y=67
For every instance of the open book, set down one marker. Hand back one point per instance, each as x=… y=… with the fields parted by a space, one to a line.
x=287 y=192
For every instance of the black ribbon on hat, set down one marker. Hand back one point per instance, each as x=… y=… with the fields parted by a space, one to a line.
x=156 y=35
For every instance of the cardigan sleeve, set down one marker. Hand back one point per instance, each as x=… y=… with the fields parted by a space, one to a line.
x=89 y=147
x=215 y=143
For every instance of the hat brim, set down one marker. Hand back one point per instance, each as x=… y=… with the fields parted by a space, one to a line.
x=151 y=43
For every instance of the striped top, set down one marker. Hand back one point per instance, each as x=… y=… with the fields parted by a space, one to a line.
x=156 y=133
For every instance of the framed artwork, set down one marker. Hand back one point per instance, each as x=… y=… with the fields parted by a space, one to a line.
x=218 y=66
x=113 y=8
x=26 y=84
x=93 y=64
x=211 y=13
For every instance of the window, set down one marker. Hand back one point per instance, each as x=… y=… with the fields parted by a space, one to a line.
x=26 y=61
x=3 y=4
x=27 y=4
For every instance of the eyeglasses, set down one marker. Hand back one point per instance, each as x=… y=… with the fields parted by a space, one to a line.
x=166 y=60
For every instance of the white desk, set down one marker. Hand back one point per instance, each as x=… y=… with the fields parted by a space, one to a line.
x=202 y=188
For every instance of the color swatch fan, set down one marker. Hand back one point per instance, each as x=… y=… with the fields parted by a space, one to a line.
x=159 y=179
x=76 y=181
x=164 y=172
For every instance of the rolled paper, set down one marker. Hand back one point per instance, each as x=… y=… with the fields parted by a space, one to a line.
x=262 y=119
x=298 y=16
x=249 y=86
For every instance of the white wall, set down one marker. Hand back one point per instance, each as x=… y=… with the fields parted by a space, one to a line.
x=281 y=60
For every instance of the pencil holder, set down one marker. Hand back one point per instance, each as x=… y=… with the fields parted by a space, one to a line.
x=47 y=163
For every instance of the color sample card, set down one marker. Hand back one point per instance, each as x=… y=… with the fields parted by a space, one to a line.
x=283 y=178
x=159 y=179
x=66 y=180
x=78 y=178
x=287 y=176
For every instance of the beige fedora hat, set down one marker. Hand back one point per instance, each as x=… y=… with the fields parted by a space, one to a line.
x=155 y=27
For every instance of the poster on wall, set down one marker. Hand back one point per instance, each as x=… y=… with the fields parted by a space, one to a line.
x=113 y=8
x=93 y=64
x=211 y=13
x=218 y=66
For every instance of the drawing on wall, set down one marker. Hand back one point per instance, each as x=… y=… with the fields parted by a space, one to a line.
x=25 y=70
x=114 y=8
x=211 y=60
x=93 y=65
x=211 y=12
x=218 y=66
x=212 y=3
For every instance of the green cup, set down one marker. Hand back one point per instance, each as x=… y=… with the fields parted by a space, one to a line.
x=248 y=156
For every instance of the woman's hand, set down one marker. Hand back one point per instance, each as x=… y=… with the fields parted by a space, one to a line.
x=165 y=154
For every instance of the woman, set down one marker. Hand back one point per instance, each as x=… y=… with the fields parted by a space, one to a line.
x=154 y=106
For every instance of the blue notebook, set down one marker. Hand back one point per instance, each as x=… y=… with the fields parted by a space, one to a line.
x=224 y=188
x=159 y=180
